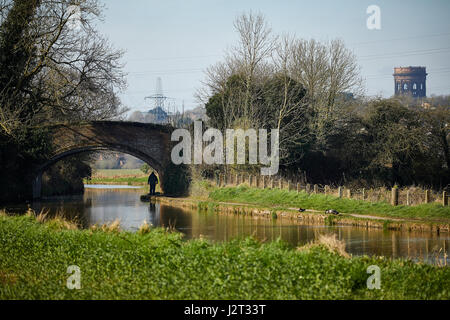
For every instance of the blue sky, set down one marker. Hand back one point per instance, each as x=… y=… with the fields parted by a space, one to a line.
x=178 y=40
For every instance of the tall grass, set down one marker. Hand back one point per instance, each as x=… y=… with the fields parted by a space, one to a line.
x=56 y=221
x=111 y=227
x=329 y=242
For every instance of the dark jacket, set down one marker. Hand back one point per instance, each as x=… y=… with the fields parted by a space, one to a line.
x=152 y=179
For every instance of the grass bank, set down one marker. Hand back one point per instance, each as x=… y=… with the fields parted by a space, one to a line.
x=156 y=264
x=432 y=212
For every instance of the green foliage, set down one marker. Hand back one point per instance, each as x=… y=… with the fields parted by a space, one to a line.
x=330 y=220
x=66 y=177
x=18 y=156
x=36 y=90
x=214 y=110
x=381 y=142
x=145 y=168
x=176 y=179
x=159 y=265
x=230 y=96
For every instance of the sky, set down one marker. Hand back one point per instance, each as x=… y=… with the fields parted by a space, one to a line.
x=178 y=39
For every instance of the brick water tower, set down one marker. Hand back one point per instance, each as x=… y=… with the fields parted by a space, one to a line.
x=411 y=81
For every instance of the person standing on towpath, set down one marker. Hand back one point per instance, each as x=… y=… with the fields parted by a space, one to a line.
x=152 y=181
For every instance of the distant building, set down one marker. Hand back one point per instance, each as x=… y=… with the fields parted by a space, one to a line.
x=411 y=81
x=156 y=115
x=346 y=96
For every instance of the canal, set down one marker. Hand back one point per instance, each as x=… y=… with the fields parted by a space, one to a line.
x=105 y=204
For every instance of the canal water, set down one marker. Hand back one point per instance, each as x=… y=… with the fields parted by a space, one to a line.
x=105 y=204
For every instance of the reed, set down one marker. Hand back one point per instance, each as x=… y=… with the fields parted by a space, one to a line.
x=144 y=228
x=329 y=242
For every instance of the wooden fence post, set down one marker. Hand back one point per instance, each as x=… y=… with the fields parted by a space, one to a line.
x=394 y=196
x=427 y=196
x=289 y=185
x=272 y=183
x=408 y=197
x=349 y=193
x=308 y=188
x=364 y=193
x=298 y=187
x=445 y=198
x=316 y=189
x=340 y=192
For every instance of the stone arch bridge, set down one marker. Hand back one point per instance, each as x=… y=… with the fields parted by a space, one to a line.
x=148 y=142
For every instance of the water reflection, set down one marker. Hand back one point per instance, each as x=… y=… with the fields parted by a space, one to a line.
x=100 y=206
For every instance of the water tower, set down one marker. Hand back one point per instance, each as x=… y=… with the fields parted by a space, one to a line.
x=411 y=81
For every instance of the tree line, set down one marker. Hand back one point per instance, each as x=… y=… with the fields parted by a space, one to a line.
x=313 y=93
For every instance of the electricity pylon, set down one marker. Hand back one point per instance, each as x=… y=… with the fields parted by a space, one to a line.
x=159 y=98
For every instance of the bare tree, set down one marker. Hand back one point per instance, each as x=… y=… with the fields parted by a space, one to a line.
x=309 y=66
x=330 y=74
x=256 y=44
x=289 y=114
x=244 y=68
x=296 y=86
x=343 y=72
x=66 y=71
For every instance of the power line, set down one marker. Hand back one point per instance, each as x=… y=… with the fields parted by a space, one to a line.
x=165 y=72
x=175 y=58
x=350 y=44
x=401 y=39
x=404 y=54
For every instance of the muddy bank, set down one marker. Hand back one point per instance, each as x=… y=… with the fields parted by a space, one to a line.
x=309 y=216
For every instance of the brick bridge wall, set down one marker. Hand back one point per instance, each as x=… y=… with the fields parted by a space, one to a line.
x=148 y=142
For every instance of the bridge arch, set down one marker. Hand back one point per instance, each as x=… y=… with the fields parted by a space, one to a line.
x=148 y=142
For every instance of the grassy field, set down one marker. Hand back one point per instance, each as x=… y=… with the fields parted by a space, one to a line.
x=131 y=177
x=156 y=264
x=292 y=199
x=118 y=172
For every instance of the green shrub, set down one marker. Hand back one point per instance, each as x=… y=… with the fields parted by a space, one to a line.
x=157 y=264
